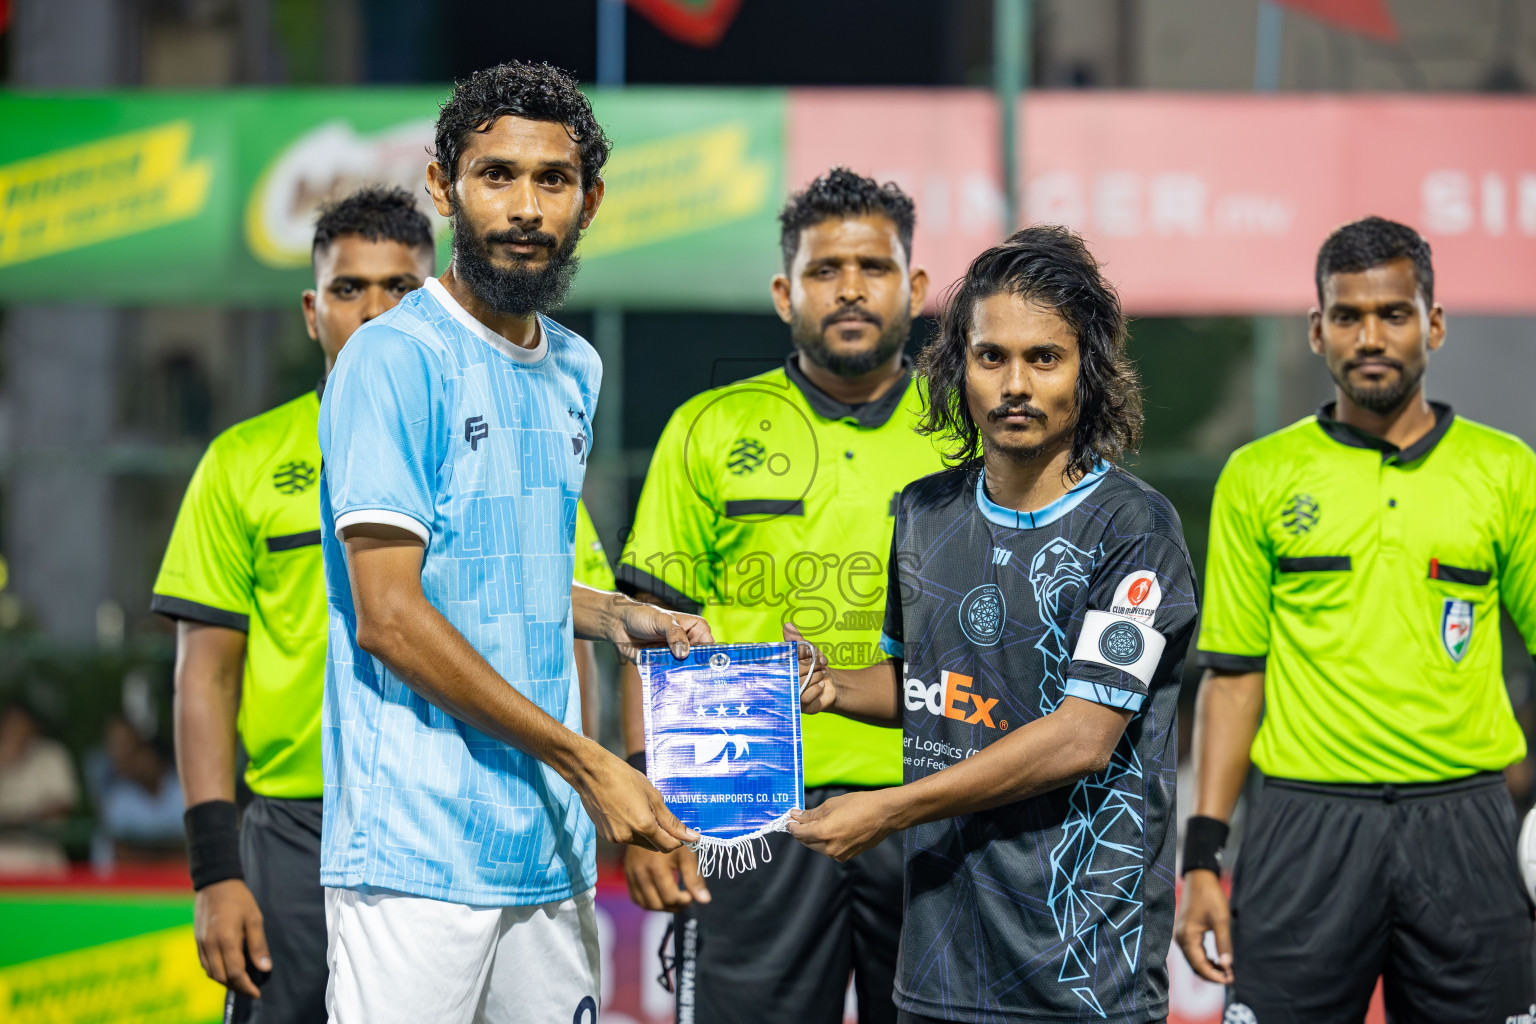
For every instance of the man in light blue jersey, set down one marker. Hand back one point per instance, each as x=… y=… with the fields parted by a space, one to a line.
x=458 y=847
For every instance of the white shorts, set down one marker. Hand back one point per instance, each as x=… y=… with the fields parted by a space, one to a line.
x=395 y=957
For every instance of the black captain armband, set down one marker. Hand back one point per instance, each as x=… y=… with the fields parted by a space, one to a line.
x=213 y=842
x=1203 y=839
x=637 y=761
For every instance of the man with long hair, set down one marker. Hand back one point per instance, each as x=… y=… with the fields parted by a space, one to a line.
x=1039 y=605
x=1351 y=640
x=458 y=851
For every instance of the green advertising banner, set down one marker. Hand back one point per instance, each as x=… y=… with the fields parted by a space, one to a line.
x=82 y=956
x=156 y=198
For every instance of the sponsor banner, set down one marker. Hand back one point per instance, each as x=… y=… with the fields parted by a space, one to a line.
x=1204 y=204
x=76 y=956
x=104 y=198
x=152 y=198
x=1196 y=204
x=85 y=950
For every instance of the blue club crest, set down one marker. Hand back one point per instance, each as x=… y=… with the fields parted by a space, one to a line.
x=1456 y=627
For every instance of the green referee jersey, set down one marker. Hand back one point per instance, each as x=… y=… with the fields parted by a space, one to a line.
x=245 y=554
x=768 y=501
x=1365 y=581
x=592 y=568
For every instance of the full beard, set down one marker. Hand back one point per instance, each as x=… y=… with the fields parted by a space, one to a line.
x=518 y=291
x=811 y=342
x=1381 y=398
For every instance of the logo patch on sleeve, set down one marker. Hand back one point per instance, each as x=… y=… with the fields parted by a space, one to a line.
x=1121 y=643
x=1137 y=596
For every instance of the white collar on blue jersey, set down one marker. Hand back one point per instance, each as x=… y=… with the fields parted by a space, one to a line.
x=484 y=333
x=1016 y=520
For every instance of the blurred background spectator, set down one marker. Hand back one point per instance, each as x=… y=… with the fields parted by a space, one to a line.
x=38 y=791
x=138 y=800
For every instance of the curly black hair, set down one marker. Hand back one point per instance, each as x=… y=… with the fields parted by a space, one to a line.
x=1370 y=242
x=374 y=212
x=843 y=193
x=1051 y=266
x=538 y=92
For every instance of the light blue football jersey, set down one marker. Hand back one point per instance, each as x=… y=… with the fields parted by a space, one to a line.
x=433 y=422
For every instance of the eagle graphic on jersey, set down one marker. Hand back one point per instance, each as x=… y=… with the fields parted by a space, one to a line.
x=1086 y=872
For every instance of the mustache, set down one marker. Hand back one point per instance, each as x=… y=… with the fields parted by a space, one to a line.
x=851 y=313
x=1015 y=409
x=515 y=237
x=1355 y=364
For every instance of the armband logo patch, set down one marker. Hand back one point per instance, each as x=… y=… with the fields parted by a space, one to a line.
x=1126 y=644
x=1137 y=596
x=1121 y=644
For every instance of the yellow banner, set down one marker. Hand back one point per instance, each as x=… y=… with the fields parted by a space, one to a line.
x=148 y=979
x=676 y=186
x=119 y=186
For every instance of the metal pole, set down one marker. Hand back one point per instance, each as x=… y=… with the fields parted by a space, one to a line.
x=610 y=42
x=608 y=477
x=1010 y=73
x=1267 y=330
x=1266 y=52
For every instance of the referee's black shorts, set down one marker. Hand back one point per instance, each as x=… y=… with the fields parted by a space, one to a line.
x=1419 y=885
x=280 y=854
x=776 y=944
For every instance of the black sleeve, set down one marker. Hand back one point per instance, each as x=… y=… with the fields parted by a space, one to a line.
x=892 y=638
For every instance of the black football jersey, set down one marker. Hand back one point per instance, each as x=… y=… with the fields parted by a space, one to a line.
x=1059 y=907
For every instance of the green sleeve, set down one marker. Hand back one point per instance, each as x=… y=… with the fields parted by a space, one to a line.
x=1234 y=626
x=209 y=571
x=671 y=551
x=1517 y=563
x=592 y=569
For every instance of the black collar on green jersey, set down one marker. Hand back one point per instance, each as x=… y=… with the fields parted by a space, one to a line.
x=869 y=414
x=1356 y=438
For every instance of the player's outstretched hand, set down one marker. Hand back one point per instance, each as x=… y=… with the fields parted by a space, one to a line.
x=845 y=826
x=226 y=923
x=626 y=808
x=817 y=692
x=653 y=879
x=1202 y=909
x=646 y=625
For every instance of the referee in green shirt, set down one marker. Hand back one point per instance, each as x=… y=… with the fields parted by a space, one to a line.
x=243 y=580
x=770 y=502
x=1357 y=563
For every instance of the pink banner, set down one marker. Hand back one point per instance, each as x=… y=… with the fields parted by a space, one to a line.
x=1203 y=204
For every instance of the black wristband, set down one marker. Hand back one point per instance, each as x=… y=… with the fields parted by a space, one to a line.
x=213 y=842
x=637 y=761
x=1203 y=839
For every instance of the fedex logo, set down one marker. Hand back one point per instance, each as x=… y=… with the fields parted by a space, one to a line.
x=951 y=697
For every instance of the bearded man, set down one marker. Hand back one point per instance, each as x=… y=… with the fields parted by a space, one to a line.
x=769 y=502
x=457 y=847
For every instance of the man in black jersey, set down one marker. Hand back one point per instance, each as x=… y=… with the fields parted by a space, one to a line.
x=1039 y=606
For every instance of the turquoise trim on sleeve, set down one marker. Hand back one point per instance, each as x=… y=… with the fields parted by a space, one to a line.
x=1109 y=696
x=895 y=648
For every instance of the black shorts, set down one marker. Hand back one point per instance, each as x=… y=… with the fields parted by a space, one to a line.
x=777 y=943
x=1417 y=885
x=280 y=854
